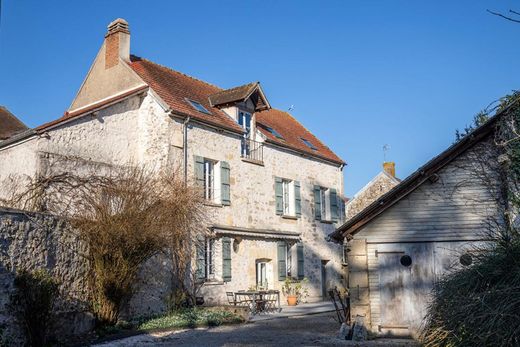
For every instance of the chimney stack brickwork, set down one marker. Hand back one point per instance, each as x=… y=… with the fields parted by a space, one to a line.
x=117 y=43
x=389 y=167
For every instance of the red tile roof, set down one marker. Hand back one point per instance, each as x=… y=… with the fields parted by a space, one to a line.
x=292 y=132
x=175 y=88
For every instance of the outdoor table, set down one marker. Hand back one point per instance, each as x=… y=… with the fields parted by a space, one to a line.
x=259 y=305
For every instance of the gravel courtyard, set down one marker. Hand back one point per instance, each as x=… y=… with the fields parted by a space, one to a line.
x=311 y=330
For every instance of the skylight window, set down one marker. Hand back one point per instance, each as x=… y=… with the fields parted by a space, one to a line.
x=309 y=144
x=198 y=106
x=275 y=133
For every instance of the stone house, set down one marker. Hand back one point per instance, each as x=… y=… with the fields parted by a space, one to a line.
x=379 y=185
x=426 y=225
x=273 y=190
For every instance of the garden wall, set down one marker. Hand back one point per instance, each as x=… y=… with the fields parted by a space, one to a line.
x=34 y=241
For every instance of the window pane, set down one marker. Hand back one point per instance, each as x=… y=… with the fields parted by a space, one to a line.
x=286 y=200
x=323 y=203
x=208 y=179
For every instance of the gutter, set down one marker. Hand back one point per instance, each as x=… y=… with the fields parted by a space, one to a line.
x=185 y=148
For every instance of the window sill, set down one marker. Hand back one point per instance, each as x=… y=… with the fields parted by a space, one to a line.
x=213 y=283
x=252 y=161
x=212 y=204
x=284 y=216
x=327 y=221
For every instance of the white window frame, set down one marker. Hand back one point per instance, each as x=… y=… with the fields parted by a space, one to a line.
x=261 y=273
x=325 y=204
x=287 y=194
x=209 y=179
x=210 y=258
x=288 y=261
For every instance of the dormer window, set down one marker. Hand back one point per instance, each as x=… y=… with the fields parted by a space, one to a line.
x=198 y=106
x=244 y=119
x=309 y=144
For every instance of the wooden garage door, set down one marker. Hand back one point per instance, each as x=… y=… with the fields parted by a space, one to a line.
x=404 y=290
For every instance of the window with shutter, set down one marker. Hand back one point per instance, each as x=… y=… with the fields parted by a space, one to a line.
x=300 y=259
x=317 y=202
x=334 y=211
x=226 y=259
x=225 y=185
x=199 y=171
x=200 y=272
x=297 y=199
x=278 y=192
x=282 y=261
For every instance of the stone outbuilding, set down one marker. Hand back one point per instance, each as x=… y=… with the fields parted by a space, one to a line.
x=431 y=222
x=379 y=185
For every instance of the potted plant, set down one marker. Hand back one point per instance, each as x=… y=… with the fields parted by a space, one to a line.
x=295 y=291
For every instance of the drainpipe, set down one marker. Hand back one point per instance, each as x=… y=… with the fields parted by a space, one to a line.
x=185 y=149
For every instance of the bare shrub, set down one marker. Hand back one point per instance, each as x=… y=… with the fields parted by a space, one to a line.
x=33 y=302
x=479 y=304
x=125 y=218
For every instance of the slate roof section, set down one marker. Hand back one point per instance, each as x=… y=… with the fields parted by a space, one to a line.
x=9 y=124
x=175 y=88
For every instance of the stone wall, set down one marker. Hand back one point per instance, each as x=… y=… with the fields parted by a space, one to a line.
x=139 y=131
x=34 y=241
x=380 y=185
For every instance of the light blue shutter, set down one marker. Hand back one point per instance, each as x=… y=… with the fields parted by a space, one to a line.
x=199 y=171
x=226 y=259
x=297 y=199
x=333 y=205
x=225 y=186
x=317 y=202
x=200 y=272
x=278 y=192
x=299 y=257
x=282 y=257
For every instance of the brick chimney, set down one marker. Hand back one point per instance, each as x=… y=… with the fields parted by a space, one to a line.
x=117 y=43
x=389 y=167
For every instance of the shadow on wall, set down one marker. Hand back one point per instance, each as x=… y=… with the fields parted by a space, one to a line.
x=31 y=241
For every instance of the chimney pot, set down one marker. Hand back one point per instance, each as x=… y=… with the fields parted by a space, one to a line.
x=389 y=167
x=117 y=43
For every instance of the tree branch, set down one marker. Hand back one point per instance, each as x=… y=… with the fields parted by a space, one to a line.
x=505 y=17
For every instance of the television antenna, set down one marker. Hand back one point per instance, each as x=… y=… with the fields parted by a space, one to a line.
x=386 y=148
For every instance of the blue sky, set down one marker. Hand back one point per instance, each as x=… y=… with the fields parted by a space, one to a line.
x=360 y=74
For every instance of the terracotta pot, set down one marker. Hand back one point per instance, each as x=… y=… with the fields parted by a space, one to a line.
x=292 y=300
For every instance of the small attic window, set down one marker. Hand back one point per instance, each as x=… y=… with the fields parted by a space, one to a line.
x=198 y=106
x=275 y=133
x=309 y=144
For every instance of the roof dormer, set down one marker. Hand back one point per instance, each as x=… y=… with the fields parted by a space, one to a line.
x=250 y=93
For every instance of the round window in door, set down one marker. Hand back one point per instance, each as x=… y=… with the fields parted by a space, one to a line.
x=406 y=260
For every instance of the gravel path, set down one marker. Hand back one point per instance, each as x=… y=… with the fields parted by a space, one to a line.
x=313 y=330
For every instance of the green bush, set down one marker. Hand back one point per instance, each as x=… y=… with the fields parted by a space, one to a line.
x=478 y=305
x=33 y=301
